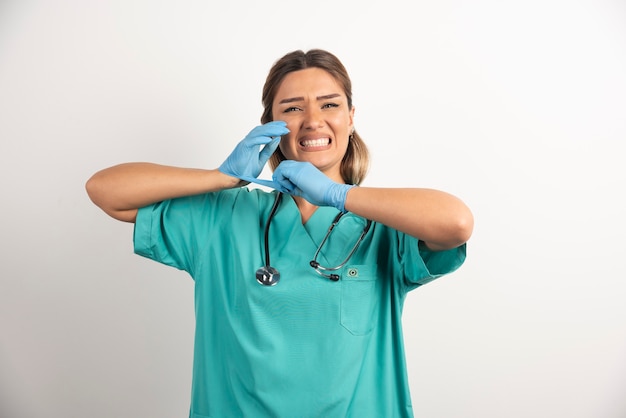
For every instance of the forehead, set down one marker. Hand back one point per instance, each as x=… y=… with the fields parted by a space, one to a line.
x=308 y=81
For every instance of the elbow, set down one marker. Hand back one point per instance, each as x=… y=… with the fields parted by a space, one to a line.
x=464 y=228
x=97 y=192
x=456 y=232
x=91 y=187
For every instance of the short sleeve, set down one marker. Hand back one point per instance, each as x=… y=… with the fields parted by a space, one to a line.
x=174 y=232
x=158 y=238
x=422 y=265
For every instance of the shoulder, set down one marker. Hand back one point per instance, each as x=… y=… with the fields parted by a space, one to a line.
x=227 y=197
x=212 y=204
x=244 y=197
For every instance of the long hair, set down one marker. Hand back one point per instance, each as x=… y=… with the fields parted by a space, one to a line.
x=355 y=162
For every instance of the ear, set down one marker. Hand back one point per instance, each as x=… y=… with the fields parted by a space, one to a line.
x=351 y=119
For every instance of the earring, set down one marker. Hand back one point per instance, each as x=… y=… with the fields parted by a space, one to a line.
x=351 y=136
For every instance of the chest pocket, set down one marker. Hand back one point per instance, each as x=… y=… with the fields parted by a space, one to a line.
x=360 y=298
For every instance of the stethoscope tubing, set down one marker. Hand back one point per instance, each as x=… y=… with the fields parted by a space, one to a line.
x=266 y=238
x=269 y=276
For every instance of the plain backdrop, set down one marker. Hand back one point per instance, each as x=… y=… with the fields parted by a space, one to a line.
x=517 y=107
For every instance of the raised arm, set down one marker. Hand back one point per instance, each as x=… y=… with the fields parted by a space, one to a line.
x=122 y=189
x=439 y=219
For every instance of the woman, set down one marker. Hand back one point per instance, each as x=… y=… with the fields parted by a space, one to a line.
x=294 y=317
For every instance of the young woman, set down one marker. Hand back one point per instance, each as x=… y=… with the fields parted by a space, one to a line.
x=299 y=291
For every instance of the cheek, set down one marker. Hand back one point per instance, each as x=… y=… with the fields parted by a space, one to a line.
x=292 y=120
x=285 y=145
x=286 y=140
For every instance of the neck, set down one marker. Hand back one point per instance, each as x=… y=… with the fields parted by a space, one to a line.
x=306 y=209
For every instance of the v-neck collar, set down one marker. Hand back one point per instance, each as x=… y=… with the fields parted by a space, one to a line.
x=315 y=227
x=319 y=222
x=289 y=230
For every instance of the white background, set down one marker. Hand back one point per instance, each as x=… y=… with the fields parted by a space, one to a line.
x=517 y=107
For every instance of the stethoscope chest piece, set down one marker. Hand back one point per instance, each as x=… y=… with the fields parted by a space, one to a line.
x=267 y=276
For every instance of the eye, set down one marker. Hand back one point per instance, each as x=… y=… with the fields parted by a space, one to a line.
x=291 y=109
x=329 y=105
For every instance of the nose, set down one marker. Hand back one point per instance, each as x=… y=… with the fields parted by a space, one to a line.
x=312 y=118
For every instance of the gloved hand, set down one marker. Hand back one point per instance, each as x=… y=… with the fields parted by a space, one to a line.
x=248 y=159
x=305 y=180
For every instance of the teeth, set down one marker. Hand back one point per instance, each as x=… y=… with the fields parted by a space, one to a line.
x=316 y=142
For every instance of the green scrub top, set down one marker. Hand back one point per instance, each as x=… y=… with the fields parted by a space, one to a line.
x=308 y=346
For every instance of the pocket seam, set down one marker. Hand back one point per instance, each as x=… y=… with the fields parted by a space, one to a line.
x=350 y=307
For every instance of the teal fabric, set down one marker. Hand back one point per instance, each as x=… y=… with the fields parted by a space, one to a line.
x=308 y=346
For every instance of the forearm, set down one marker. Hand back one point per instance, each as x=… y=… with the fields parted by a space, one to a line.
x=122 y=189
x=439 y=219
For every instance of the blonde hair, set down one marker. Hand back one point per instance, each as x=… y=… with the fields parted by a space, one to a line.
x=355 y=162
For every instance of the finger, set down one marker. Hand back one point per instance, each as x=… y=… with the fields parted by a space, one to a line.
x=269 y=149
x=283 y=181
x=285 y=186
x=275 y=128
x=255 y=141
x=298 y=192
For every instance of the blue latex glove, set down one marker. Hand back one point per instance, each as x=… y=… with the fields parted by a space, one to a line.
x=248 y=159
x=305 y=180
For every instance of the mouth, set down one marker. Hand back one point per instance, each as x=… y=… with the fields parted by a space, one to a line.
x=315 y=143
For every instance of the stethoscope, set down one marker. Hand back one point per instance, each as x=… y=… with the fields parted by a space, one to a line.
x=269 y=276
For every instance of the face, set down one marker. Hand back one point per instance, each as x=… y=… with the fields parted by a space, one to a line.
x=315 y=108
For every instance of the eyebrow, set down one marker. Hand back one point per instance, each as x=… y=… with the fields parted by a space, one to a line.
x=300 y=99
